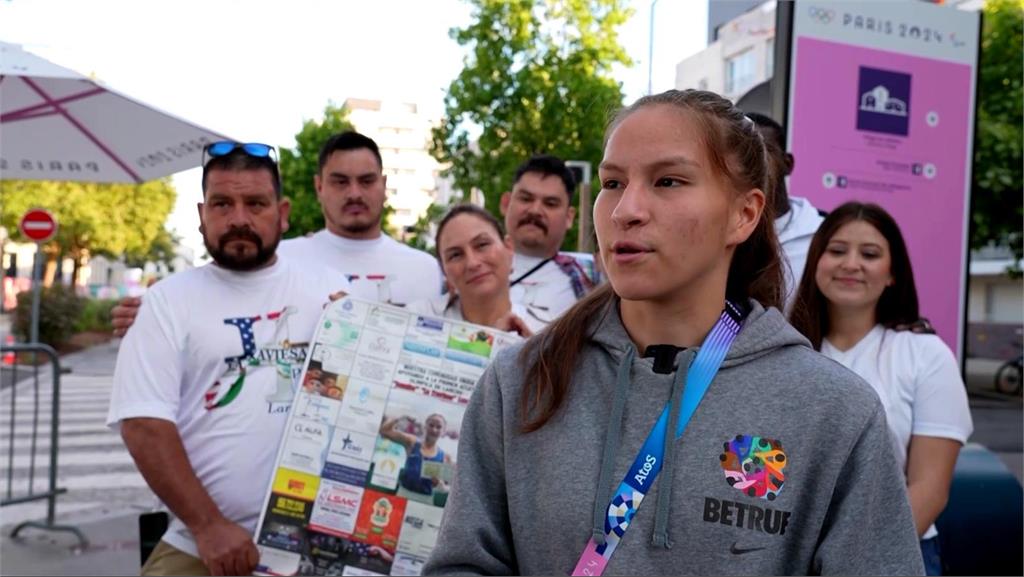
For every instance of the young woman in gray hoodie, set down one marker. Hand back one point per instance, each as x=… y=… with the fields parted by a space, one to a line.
x=681 y=384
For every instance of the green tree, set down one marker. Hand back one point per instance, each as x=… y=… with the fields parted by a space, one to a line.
x=162 y=249
x=537 y=79
x=996 y=191
x=421 y=235
x=107 y=219
x=299 y=166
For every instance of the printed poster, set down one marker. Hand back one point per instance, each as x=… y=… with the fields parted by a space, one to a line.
x=370 y=449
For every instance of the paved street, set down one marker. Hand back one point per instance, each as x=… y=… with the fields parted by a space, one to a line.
x=1000 y=427
x=998 y=418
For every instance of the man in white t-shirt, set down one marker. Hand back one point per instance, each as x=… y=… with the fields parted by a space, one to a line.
x=538 y=211
x=351 y=189
x=205 y=378
x=796 y=220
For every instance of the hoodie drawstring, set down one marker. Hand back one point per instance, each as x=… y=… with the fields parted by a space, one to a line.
x=661 y=510
x=611 y=448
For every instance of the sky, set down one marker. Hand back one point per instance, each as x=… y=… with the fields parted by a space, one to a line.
x=255 y=70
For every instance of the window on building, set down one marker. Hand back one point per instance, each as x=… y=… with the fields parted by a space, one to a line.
x=740 y=72
x=769 y=59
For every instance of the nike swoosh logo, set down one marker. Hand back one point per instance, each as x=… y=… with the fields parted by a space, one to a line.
x=740 y=550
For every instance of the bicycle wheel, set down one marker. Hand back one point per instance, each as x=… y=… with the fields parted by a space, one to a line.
x=1008 y=379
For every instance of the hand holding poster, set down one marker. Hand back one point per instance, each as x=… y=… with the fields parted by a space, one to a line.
x=371 y=445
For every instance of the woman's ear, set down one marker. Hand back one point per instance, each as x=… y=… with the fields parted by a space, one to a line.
x=746 y=214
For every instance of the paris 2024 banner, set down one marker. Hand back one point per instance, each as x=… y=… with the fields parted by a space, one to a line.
x=881 y=109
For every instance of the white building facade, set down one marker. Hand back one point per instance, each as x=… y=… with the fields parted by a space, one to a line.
x=740 y=56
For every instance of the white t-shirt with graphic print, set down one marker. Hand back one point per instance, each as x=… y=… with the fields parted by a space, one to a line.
x=918 y=381
x=380 y=269
x=218 y=353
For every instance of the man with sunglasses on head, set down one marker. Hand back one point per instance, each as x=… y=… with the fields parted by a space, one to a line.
x=351 y=188
x=205 y=378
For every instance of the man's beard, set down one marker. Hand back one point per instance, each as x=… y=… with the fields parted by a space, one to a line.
x=231 y=261
x=359 y=228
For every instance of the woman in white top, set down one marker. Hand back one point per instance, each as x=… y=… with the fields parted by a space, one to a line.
x=476 y=259
x=857 y=303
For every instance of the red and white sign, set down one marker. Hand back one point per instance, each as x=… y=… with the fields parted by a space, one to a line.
x=38 y=225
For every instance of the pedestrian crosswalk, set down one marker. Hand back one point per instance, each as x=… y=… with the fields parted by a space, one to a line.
x=93 y=464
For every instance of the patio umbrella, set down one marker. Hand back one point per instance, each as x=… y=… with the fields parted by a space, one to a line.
x=56 y=124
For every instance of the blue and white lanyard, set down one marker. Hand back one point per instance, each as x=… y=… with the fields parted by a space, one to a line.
x=645 y=468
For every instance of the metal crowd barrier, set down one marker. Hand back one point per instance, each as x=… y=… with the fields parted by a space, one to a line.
x=52 y=491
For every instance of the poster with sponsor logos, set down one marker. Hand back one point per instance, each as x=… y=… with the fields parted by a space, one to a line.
x=365 y=467
x=881 y=110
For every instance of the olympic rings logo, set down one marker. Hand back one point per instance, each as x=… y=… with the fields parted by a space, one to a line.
x=822 y=15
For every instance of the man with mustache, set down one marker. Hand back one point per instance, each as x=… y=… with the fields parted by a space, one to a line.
x=538 y=212
x=196 y=393
x=351 y=188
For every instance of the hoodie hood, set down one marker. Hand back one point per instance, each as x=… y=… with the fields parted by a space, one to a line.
x=796 y=228
x=802 y=221
x=763 y=331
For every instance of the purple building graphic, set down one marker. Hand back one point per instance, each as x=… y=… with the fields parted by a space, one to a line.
x=883 y=101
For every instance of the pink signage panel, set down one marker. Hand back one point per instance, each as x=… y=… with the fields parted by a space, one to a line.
x=893 y=129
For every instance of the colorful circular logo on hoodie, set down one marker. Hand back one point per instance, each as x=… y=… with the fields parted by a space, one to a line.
x=754 y=465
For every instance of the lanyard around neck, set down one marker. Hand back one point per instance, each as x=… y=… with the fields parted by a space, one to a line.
x=526 y=274
x=645 y=468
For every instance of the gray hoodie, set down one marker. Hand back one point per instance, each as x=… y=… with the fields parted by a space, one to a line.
x=524 y=503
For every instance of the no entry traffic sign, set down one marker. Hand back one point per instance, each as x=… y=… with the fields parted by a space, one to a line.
x=38 y=225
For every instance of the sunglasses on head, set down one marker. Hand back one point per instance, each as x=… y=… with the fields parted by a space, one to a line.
x=226 y=147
